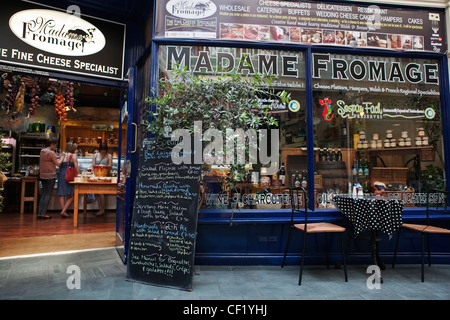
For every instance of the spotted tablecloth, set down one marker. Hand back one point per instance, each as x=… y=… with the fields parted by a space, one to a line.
x=371 y=213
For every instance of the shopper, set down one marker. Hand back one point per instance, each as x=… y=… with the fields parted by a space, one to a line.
x=65 y=189
x=101 y=158
x=47 y=173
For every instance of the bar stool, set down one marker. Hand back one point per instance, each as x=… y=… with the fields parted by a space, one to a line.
x=29 y=180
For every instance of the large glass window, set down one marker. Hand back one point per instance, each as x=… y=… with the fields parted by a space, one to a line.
x=377 y=126
x=260 y=190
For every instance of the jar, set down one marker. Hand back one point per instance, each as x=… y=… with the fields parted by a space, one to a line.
x=401 y=142
x=373 y=144
x=421 y=132
x=365 y=145
x=388 y=134
x=359 y=144
x=387 y=143
x=379 y=144
x=265 y=181
x=418 y=141
x=404 y=134
x=393 y=143
x=362 y=135
x=375 y=136
x=407 y=142
x=425 y=141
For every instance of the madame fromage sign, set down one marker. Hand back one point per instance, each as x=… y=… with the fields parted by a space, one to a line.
x=57 y=32
x=32 y=36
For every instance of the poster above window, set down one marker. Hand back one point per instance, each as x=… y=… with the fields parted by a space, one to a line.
x=307 y=23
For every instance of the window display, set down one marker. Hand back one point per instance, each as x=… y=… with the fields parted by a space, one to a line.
x=383 y=113
x=375 y=121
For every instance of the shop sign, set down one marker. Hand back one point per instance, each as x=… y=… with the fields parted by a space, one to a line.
x=191 y=9
x=374 y=71
x=309 y=23
x=57 y=32
x=371 y=110
x=33 y=37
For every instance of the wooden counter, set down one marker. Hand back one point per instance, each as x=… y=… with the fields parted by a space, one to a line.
x=89 y=187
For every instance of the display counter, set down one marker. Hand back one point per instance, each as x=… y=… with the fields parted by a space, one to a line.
x=85 y=163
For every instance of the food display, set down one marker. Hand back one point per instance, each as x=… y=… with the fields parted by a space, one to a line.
x=391 y=141
x=251 y=32
x=60 y=107
x=34 y=99
x=101 y=171
x=232 y=30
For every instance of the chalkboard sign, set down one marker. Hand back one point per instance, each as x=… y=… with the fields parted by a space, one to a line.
x=164 y=221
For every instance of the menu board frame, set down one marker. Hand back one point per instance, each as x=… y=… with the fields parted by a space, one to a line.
x=163 y=225
x=343 y=24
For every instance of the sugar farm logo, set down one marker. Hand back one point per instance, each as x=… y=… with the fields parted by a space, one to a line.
x=327 y=111
x=57 y=32
x=191 y=9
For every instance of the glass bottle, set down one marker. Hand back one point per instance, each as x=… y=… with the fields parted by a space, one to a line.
x=282 y=175
x=297 y=182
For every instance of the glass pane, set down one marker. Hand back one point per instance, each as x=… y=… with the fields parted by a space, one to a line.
x=377 y=126
x=259 y=190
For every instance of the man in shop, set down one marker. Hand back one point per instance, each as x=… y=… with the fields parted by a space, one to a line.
x=47 y=173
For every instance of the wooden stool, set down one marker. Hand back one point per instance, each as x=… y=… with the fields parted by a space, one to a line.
x=23 y=199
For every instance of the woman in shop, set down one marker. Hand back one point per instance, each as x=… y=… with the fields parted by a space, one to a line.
x=66 y=190
x=47 y=173
x=101 y=158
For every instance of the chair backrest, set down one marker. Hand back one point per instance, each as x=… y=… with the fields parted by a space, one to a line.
x=296 y=205
x=437 y=201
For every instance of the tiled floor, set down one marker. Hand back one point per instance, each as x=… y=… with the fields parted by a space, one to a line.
x=103 y=277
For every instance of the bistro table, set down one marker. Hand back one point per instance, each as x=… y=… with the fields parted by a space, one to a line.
x=373 y=213
x=89 y=187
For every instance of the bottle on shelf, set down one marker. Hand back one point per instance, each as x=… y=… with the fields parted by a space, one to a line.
x=282 y=175
x=304 y=182
x=297 y=182
x=321 y=155
x=361 y=168
x=339 y=155
x=333 y=155
x=328 y=155
x=355 y=168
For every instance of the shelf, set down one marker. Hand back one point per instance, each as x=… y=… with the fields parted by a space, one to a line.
x=95 y=145
x=397 y=149
x=32 y=148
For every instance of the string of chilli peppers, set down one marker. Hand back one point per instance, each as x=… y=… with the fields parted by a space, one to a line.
x=34 y=98
x=60 y=107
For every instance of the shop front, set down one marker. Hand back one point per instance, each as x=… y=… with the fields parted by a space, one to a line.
x=64 y=73
x=368 y=112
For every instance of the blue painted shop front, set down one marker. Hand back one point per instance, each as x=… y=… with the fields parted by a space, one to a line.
x=258 y=237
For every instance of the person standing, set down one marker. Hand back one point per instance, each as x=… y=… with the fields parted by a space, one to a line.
x=47 y=174
x=101 y=158
x=65 y=189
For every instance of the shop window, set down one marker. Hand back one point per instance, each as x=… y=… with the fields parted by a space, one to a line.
x=377 y=126
x=259 y=191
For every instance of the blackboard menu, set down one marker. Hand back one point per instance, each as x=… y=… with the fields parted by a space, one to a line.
x=164 y=221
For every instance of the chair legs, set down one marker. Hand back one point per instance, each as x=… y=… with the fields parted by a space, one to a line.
x=395 y=250
x=422 y=266
x=303 y=259
x=287 y=247
x=343 y=257
x=326 y=245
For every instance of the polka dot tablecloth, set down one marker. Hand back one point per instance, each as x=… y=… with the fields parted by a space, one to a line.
x=371 y=213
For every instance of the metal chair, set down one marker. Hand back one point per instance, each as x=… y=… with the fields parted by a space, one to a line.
x=426 y=229
x=310 y=228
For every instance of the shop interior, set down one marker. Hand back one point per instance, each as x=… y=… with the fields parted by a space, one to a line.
x=32 y=109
